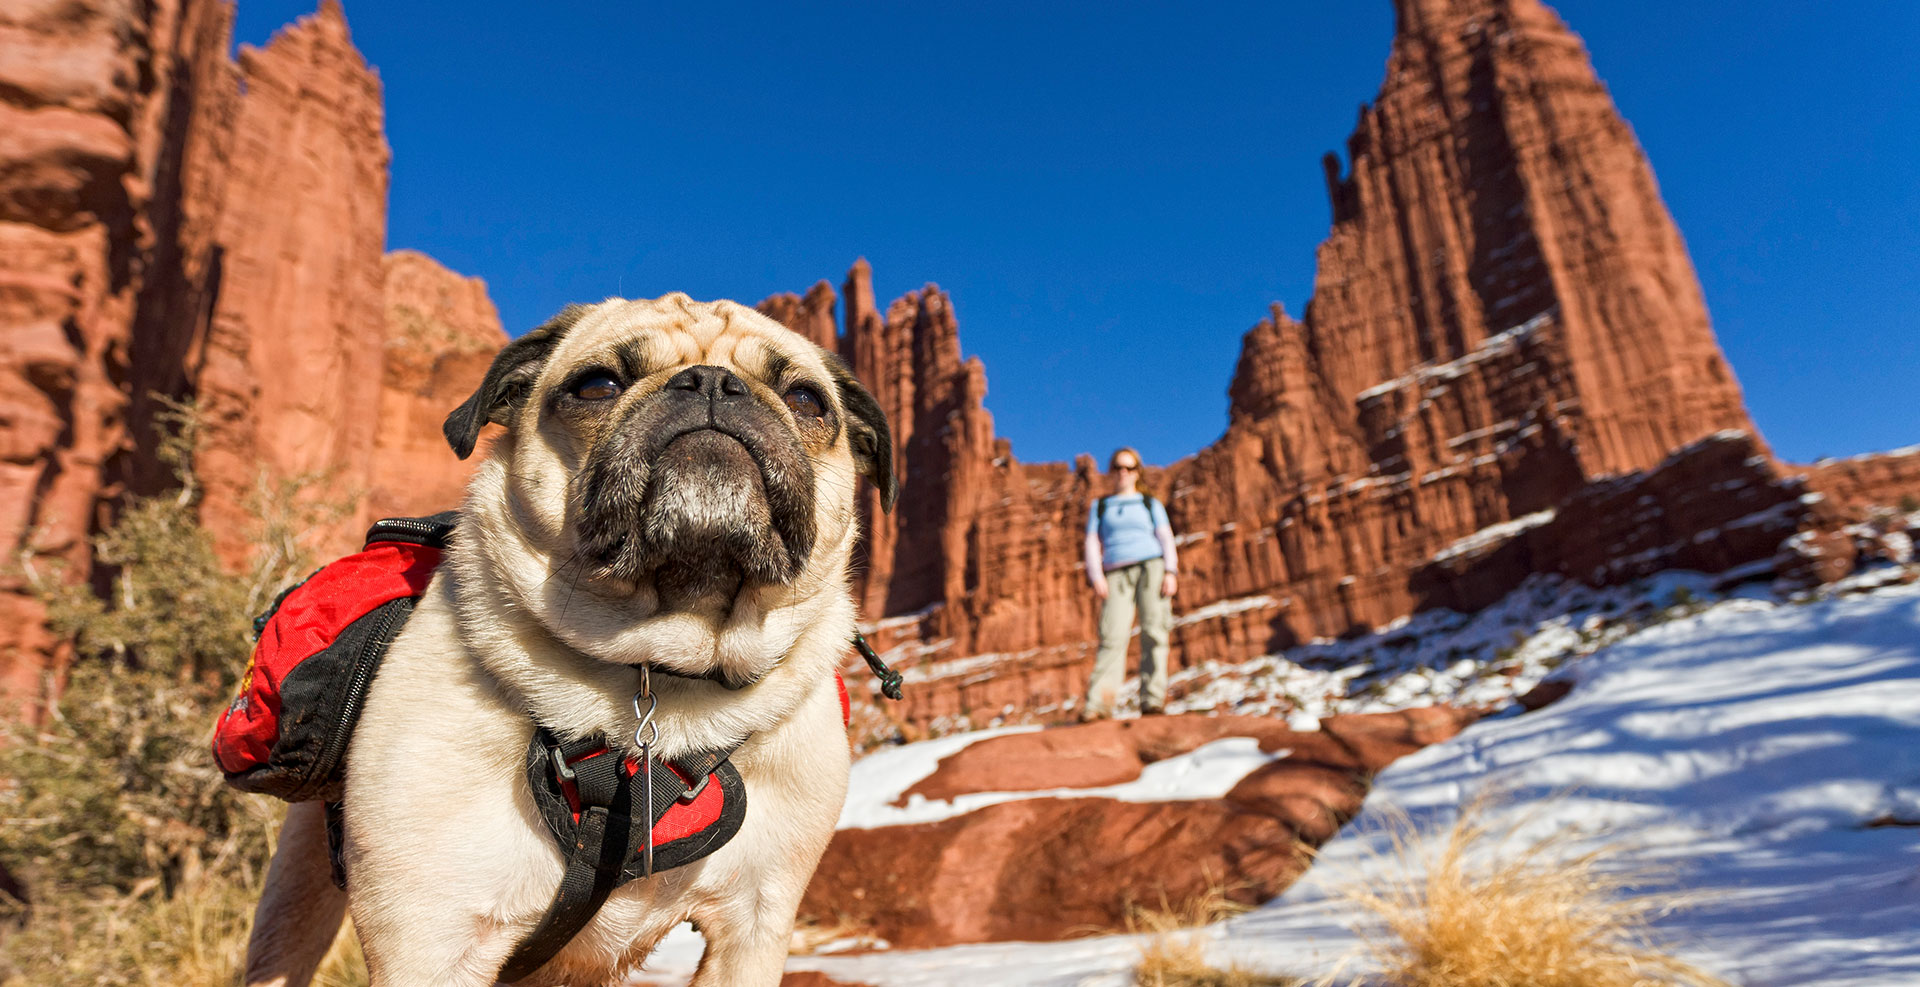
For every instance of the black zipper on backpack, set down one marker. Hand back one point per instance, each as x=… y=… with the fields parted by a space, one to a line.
x=419 y=530
x=365 y=664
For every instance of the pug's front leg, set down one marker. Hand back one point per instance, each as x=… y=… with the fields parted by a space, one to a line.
x=445 y=868
x=416 y=933
x=438 y=931
x=749 y=927
x=745 y=953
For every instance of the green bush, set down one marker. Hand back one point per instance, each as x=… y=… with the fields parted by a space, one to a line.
x=112 y=812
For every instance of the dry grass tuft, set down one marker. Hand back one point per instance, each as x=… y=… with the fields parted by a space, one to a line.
x=1181 y=961
x=1480 y=908
x=1176 y=956
x=811 y=935
x=198 y=935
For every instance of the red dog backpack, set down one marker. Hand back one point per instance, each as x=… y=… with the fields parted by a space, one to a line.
x=317 y=651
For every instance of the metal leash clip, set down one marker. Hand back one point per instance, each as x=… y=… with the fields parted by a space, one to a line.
x=644 y=737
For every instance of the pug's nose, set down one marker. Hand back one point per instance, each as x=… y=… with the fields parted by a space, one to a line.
x=713 y=383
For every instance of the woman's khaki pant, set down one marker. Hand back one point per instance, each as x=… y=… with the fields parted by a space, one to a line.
x=1128 y=587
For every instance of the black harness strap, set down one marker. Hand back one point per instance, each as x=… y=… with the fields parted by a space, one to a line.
x=593 y=868
x=1146 y=500
x=605 y=847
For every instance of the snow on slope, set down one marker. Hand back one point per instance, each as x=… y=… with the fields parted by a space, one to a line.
x=1436 y=656
x=1765 y=753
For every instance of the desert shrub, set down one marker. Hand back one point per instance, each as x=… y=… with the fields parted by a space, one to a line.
x=1909 y=503
x=141 y=865
x=1476 y=907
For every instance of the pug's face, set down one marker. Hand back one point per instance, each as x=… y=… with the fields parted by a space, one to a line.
x=677 y=482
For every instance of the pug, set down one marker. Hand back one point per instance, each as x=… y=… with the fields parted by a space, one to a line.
x=674 y=494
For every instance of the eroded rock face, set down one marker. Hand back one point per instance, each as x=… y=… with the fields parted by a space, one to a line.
x=1505 y=331
x=109 y=115
x=1503 y=317
x=1882 y=480
x=175 y=224
x=1054 y=868
x=292 y=365
x=441 y=332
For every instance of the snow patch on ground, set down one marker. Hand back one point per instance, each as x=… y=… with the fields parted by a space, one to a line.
x=1440 y=656
x=1207 y=772
x=1765 y=752
x=880 y=777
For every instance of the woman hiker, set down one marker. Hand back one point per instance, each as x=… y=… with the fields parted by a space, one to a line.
x=1130 y=562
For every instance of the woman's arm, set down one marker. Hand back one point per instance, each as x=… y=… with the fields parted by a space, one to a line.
x=1169 y=556
x=1096 y=576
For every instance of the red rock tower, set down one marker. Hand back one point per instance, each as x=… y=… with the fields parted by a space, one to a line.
x=292 y=375
x=1493 y=188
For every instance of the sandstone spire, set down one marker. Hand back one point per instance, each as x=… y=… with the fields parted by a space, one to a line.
x=164 y=232
x=111 y=121
x=293 y=361
x=1492 y=184
x=810 y=315
x=1505 y=368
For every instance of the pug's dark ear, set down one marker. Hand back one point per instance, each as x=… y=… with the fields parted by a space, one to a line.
x=508 y=381
x=867 y=431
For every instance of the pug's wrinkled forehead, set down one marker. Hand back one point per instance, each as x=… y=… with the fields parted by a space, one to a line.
x=621 y=352
x=645 y=337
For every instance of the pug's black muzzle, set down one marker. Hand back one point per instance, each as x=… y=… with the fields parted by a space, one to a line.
x=700 y=487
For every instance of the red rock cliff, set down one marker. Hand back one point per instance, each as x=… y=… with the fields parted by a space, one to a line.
x=172 y=222
x=1506 y=365
x=441 y=332
x=110 y=122
x=290 y=375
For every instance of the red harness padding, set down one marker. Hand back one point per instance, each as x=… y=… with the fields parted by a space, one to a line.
x=684 y=816
x=681 y=818
x=618 y=822
x=690 y=817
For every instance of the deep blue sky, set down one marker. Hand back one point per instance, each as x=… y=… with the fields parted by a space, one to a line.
x=1114 y=192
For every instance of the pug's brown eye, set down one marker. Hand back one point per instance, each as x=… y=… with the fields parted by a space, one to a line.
x=596 y=386
x=806 y=402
